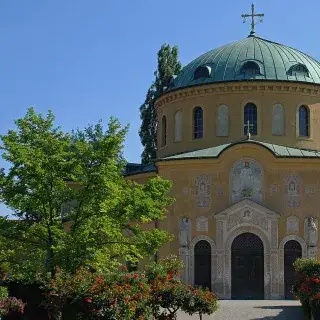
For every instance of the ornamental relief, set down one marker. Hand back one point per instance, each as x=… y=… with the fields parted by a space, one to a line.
x=247 y=216
x=309 y=190
x=246 y=181
x=203 y=191
x=292 y=224
x=202 y=224
x=292 y=189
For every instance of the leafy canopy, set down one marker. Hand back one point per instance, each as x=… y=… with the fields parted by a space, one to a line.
x=73 y=205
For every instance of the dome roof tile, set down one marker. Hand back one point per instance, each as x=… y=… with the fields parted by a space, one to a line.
x=274 y=60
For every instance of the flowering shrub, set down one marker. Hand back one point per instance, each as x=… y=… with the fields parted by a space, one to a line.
x=201 y=301
x=11 y=305
x=169 y=294
x=117 y=296
x=157 y=293
x=307 y=285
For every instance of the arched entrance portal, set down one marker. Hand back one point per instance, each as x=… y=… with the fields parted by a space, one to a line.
x=247 y=267
x=202 y=264
x=292 y=251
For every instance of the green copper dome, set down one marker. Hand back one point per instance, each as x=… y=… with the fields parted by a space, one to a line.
x=252 y=58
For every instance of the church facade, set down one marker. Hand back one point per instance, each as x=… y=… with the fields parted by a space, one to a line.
x=239 y=136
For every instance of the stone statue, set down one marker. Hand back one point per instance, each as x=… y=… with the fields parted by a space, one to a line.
x=246 y=177
x=312 y=232
x=184 y=232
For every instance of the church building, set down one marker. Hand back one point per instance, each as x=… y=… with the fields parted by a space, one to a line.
x=239 y=137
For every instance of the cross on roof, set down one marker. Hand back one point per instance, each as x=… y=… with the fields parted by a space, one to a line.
x=253 y=22
x=249 y=126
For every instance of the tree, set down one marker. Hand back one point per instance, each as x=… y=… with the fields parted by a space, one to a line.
x=168 y=65
x=73 y=205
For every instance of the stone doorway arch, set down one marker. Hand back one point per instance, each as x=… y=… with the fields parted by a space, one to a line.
x=247 y=216
x=304 y=253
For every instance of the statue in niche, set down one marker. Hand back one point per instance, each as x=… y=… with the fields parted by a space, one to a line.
x=184 y=231
x=292 y=189
x=246 y=180
x=203 y=191
x=312 y=232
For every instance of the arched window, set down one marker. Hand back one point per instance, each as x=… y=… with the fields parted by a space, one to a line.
x=222 y=127
x=278 y=120
x=178 y=126
x=202 y=72
x=299 y=70
x=164 y=131
x=250 y=68
x=250 y=119
x=197 y=123
x=304 y=121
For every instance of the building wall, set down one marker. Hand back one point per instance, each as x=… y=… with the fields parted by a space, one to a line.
x=236 y=95
x=184 y=173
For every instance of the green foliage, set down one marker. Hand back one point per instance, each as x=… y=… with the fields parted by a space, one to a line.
x=73 y=205
x=168 y=65
x=3 y=293
x=308 y=267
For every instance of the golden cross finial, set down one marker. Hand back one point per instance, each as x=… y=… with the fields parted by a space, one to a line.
x=253 y=22
x=248 y=125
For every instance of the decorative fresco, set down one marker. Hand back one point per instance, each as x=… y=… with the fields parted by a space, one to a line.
x=247 y=181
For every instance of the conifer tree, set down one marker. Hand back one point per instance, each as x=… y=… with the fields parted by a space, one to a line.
x=168 y=65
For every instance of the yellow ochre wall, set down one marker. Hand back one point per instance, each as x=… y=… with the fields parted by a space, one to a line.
x=183 y=173
x=236 y=95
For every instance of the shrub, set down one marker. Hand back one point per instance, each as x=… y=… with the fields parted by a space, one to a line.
x=11 y=305
x=201 y=301
x=307 y=285
x=3 y=293
x=116 y=296
x=169 y=294
x=157 y=293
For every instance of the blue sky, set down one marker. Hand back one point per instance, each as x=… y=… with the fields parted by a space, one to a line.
x=89 y=60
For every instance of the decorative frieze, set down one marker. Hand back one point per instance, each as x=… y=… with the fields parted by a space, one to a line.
x=292 y=224
x=292 y=189
x=185 y=191
x=218 y=88
x=274 y=188
x=202 y=224
x=309 y=190
x=246 y=215
x=219 y=191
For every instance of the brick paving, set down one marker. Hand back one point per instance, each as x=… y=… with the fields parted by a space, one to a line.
x=253 y=310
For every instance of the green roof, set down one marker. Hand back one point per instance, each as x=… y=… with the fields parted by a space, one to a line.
x=215 y=152
x=274 y=60
x=137 y=168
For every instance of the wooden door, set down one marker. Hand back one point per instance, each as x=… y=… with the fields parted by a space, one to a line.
x=202 y=264
x=292 y=251
x=247 y=270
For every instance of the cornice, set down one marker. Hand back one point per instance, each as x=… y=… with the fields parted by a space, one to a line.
x=205 y=90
